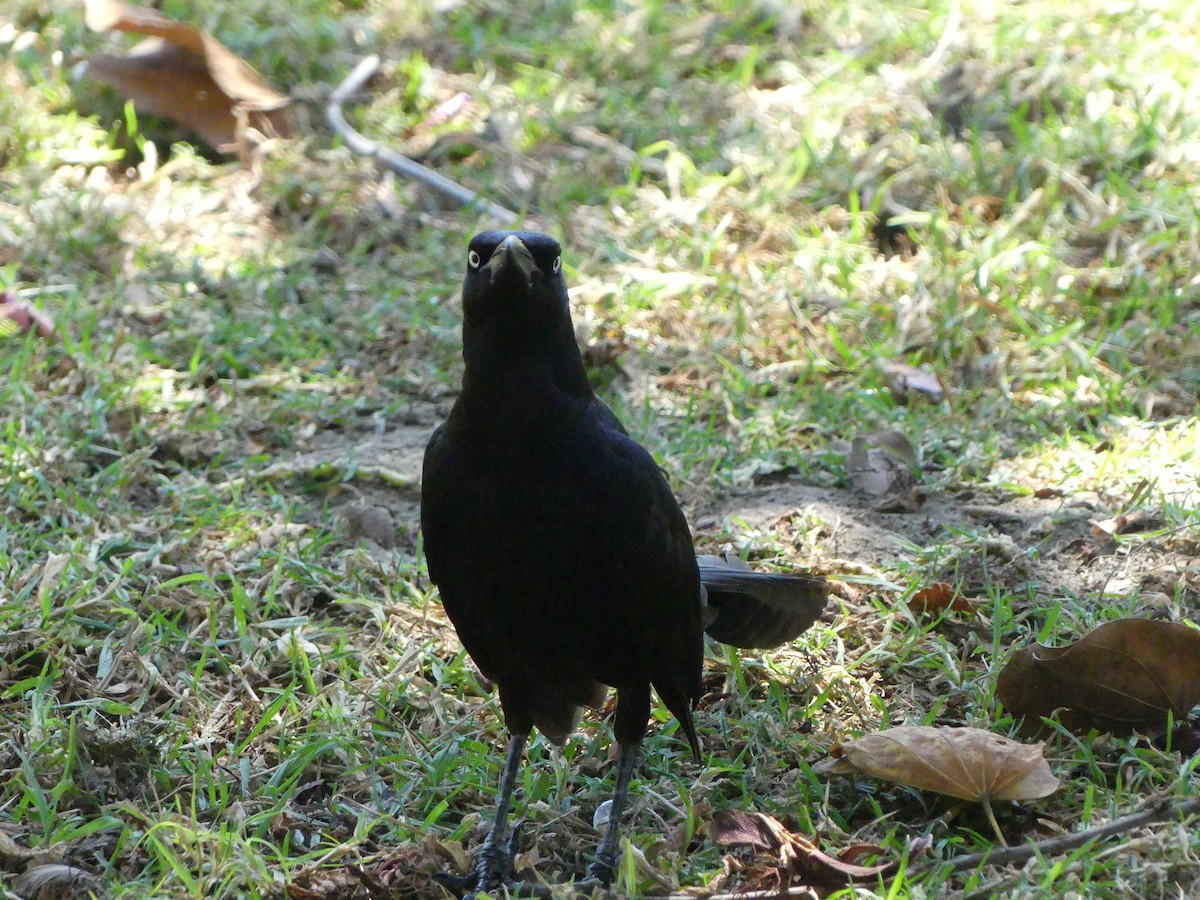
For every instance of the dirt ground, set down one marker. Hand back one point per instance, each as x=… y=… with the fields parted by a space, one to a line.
x=1051 y=545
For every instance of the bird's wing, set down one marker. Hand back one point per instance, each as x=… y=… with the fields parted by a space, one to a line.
x=649 y=545
x=433 y=467
x=757 y=609
x=655 y=585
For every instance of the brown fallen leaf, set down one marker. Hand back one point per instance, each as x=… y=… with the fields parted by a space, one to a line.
x=795 y=854
x=1123 y=675
x=940 y=597
x=55 y=880
x=187 y=75
x=731 y=827
x=968 y=763
x=18 y=317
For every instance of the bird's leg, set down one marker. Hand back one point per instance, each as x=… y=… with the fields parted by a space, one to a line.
x=494 y=857
x=604 y=866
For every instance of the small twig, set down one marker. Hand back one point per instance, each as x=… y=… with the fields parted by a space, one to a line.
x=343 y=470
x=1158 y=811
x=591 y=137
x=780 y=894
x=396 y=162
x=591 y=888
x=949 y=32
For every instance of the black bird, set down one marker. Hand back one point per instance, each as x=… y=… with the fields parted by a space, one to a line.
x=562 y=557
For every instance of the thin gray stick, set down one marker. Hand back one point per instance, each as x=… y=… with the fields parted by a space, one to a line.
x=398 y=163
x=1158 y=811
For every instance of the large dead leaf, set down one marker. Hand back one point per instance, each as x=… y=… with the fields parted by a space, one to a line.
x=1122 y=675
x=187 y=75
x=969 y=763
x=794 y=854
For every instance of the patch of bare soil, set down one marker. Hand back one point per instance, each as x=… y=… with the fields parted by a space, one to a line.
x=1048 y=546
x=378 y=474
x=1051 y=546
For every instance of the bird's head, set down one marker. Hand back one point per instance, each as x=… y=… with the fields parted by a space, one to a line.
x=515 y=312
x=514 y=276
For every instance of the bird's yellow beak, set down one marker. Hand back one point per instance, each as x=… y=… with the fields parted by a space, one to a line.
x=512 y=254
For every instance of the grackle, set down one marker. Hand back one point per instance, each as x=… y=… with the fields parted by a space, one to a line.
x=561 y=555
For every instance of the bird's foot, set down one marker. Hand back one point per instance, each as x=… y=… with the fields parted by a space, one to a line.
x=493 y=869
x=604 y=867
x=486 y=878
x=458 y=885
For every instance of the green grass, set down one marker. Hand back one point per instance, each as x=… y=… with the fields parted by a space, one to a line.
x=210 y=686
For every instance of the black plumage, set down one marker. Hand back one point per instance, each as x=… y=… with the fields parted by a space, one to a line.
x=561 y=555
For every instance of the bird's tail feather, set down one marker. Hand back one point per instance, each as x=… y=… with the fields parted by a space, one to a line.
x=757 y=609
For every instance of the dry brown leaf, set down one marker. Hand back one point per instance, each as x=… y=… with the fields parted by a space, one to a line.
x=1124 y=674
x=17 y=317
x=968 y=763
x=732 y=827
x=55 y=879
x=13 y=853
x=187 y=75
x=795 y=853
x=938 y=597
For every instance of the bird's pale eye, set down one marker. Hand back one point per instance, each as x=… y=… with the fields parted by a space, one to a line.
x=557 y=264
x=473 y=260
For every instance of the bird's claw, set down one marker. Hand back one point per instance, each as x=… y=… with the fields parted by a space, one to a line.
x=493 y=865
x=458 y=885
x=604 y=868
x=514 y=847
x=493 y=869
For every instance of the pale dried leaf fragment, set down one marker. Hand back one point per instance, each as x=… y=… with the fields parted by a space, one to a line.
x=906 y=381
x=18 y=317
x=187 y=75
x=54 y=879
x=877 y=470
x=52 y=570
x=968 y=763
x=1107 y=529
